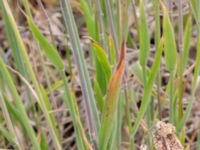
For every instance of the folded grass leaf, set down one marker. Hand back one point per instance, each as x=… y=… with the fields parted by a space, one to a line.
x=169 y=41
x=49 y=49
x=110 y=104
x=103 y=66
x=170 y=58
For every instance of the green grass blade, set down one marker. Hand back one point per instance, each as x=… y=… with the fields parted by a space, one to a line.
x=169 y=41
x=148 y=89
x=118 y=124
x=43 y=141
x=14 y=45
x=72 y=105
x=170 y=51
x=54 y=57
x=8 y=121
x=99 y=96
x=30 y=71
x=111 y=101
x=195 y=5
x=89 y=100
x=19 y=104
x=144 y=37
x=110 y=19
x=89 y=18
x=49 y=49
x=103 y=68
x=111 y=50
x=194 y=86
x=187 y=37
x=6 y=134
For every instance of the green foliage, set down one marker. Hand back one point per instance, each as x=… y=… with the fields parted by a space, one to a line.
x=148 y=88
x=50 y=51
x=169 y=42
x=144 y=36
x=112 y=115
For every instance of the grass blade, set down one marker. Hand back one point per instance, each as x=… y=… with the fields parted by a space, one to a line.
x=170 y=57
x=54 y=57
x=187 y=37
x=194 y=86
x=148 y=89
x=30 y=71
x=49 y=49
x=19 y=104
x=8 y=121
x=99 y=96
x=89 y=100
x=111 y=102
x=104 y=64
x=112 y=26
x=169 y=41
x=144 y=37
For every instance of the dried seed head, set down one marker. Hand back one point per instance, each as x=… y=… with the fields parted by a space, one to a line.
x=164 y=137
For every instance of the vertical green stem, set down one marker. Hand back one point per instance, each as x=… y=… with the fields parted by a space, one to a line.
x=149 y=112
x=71 y=105
x=9 y=122
x=19 y=105
x=172 y=104
x=157 y=39
x=112 y=27
x=180 y=37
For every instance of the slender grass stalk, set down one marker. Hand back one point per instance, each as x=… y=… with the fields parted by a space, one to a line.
x=6 y=134
x=48 y=21
x=89 y=100
x=100 y=23
x=172 y=104
x=32 y=75
x=71 y=105
x=99 y=96
x=181 y=66
x=144 y=39
x=144 y=52
x=187 y=38
x=57 y=61
x=112 y=27
x=9 y=122
x=194 y=86
x=170 y=57
x=135 y=15
x=20 y=106
x=28 y=11
x=157 y=39
x=111 y=50
x=148 y=90
x=119 y=19
x=196 y=14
